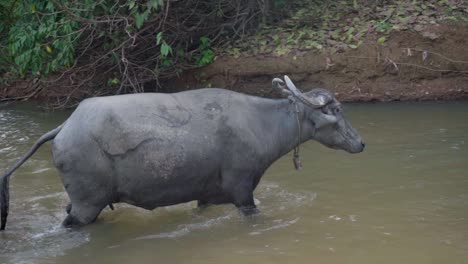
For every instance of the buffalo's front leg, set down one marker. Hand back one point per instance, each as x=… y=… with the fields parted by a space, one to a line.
x=241 y=191
x=248 y=210
x=202 y=204
x=246 y=204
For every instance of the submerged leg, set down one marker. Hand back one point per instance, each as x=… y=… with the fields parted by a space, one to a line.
x=248 y=210
x=242 y=195
x=246 y=205
x=202 y=204
x=68 y=208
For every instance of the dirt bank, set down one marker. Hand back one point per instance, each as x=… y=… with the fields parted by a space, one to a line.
x=409 y=66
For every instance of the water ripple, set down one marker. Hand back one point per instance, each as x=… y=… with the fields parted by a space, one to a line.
x=282 y=224
x=184 y=229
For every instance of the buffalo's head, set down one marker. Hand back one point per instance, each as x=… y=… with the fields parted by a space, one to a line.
x=325 y=121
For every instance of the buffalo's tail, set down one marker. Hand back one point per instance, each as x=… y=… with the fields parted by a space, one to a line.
x=4 y=179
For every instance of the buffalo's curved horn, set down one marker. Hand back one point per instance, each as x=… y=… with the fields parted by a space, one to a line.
x=317 y=101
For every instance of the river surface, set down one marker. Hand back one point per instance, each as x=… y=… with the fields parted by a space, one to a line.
x=403 y=200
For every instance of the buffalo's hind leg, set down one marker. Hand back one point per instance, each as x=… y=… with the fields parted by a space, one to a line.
x=68 y=208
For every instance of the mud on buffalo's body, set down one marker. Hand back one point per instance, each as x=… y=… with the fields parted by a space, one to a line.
x=210 y=145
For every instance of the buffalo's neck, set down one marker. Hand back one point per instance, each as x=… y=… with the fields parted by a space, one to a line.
x=282 y=125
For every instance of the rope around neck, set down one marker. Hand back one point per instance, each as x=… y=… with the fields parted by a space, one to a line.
x=296 y=159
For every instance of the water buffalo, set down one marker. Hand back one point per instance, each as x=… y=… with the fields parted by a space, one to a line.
x=210 y=145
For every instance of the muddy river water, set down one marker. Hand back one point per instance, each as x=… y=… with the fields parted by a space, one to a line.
x=403 y=200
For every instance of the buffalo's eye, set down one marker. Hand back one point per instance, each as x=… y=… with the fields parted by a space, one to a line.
x=337 y=110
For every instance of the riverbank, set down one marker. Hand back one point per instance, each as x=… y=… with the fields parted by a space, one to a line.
x=408 y=66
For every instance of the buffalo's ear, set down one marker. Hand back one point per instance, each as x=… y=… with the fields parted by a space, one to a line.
x=321 y=120
x=280 y=86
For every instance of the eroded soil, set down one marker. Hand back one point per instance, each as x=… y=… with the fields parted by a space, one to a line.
x=408 y=67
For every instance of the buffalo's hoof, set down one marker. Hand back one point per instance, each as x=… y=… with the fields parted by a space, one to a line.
x=249 y=210
x=202 y=204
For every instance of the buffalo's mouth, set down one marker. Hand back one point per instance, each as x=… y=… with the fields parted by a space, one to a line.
x=357 y=149
x=349 y=147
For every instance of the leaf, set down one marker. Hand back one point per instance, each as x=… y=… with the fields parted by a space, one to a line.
x=353 y=46
x=404 y=19
x=49 y=49
x=153 y=4
x=131 y=4
x=204 y=42
x=165 y=49
x=158 y=38
x=382 y=40
x=207 y=57
x=351 y=30
x=355 y=4
x=113 y=81
x=139 y=19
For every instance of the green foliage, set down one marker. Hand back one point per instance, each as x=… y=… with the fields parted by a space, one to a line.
x=113 y=81
x=165 y=48
x=42 y=36
x=142 y=12
x=206 y=55
x=279 y=4
x=39 y=37
x=7 y=18
x=41 y=44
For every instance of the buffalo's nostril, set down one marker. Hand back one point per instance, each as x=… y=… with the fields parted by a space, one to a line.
x=363 y=144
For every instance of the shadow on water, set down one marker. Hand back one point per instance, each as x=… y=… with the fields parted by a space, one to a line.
x=403 y=200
